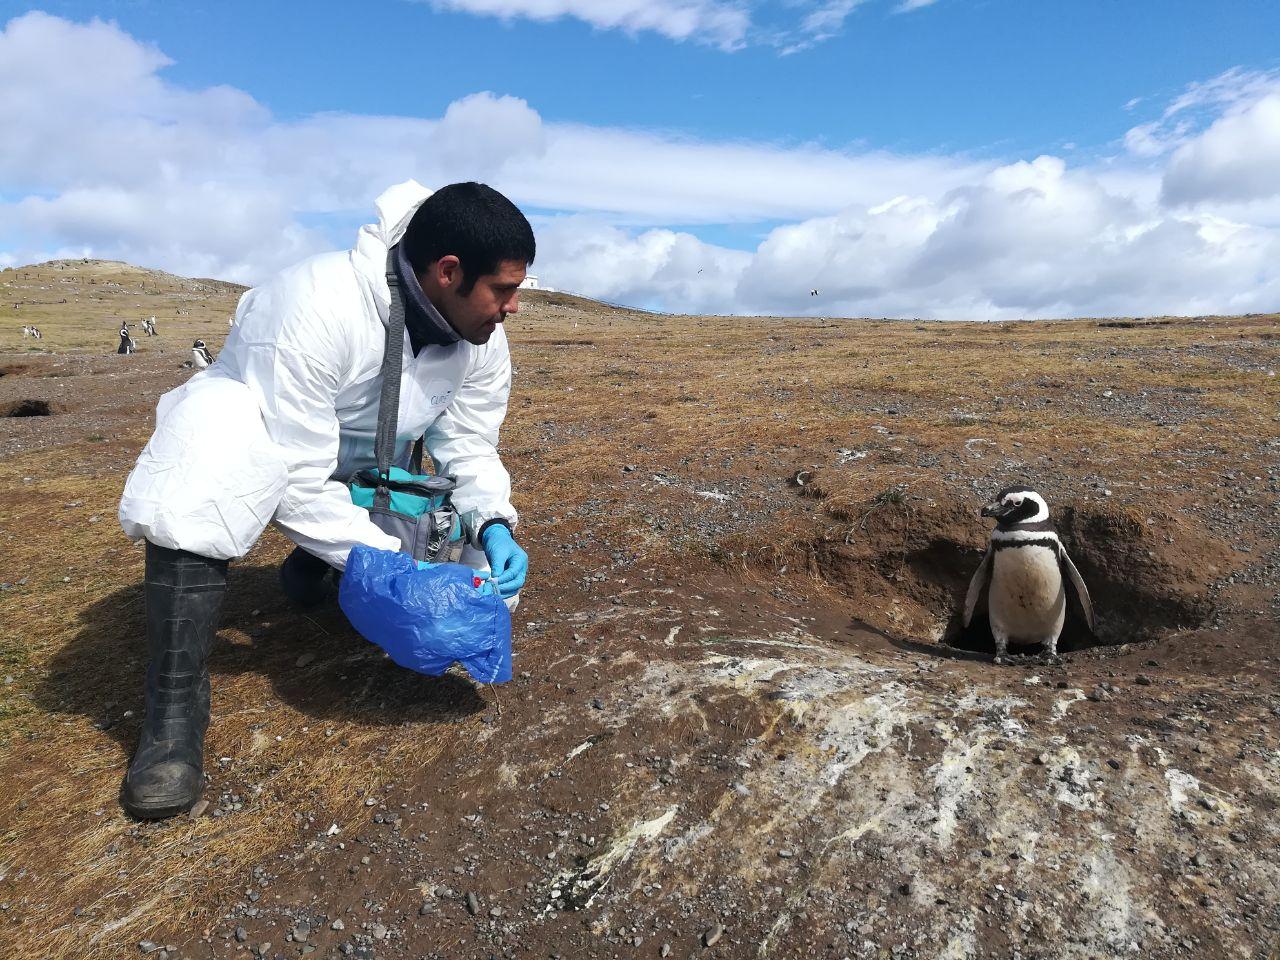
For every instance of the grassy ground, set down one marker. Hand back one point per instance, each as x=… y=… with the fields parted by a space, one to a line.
x=638 y=442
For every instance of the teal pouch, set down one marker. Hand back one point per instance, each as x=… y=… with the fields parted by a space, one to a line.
x=414 y=508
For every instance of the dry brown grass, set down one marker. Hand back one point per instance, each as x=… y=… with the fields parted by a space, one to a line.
x=596 y=389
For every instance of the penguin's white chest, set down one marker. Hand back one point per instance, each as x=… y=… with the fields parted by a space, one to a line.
x=1026 y=599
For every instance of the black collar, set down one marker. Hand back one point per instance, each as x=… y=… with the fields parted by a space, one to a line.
x=426 y=326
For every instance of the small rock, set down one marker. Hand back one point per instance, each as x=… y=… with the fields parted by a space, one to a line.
x=241 y=934
x=301 y=932
x=338 y=925
x=786 y=854
x=496 y=912
x=1113 y=764
x=305 y=660
x=711 y=937
x=665 y=951
x=1238 y=837
x=473 y=904
x=1142 y=681
x=199 y=810
x=146 y=946
x=426 y=908
x=264 y=948
x=379 y=932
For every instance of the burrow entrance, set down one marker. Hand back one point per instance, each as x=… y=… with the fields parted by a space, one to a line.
x=907 y=566
x=29 y=408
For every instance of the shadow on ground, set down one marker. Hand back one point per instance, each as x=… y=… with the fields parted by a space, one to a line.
x=314 y=661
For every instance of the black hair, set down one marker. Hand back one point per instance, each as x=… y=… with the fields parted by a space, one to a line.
x=474 y=223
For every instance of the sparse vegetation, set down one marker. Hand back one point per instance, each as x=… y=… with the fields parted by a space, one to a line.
x=656 y=454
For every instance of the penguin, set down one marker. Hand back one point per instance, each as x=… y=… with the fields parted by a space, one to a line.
x=200 y=355
x=126 y=341
x=1023 y=576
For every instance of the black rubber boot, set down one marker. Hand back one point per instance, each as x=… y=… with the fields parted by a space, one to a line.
x=306 y=579
x=184 y=596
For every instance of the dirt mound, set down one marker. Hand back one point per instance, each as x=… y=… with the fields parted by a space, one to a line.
x=907 y=563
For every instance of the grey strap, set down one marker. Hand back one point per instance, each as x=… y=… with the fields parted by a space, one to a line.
x=384 y=443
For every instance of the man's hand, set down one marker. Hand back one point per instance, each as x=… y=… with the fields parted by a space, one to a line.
x=508 y=562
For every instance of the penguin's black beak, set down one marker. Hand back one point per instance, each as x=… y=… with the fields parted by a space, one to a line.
x=995 y=510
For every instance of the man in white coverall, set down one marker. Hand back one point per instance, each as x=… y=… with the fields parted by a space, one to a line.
x=272 y=430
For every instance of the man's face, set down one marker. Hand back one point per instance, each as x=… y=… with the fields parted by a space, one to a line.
x=477 y=314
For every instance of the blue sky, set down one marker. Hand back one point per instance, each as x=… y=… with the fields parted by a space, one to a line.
x=996 y=77
x=750 y=130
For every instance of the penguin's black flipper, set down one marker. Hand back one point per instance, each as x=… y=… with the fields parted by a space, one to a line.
x=978 y=587
x=1082 y=592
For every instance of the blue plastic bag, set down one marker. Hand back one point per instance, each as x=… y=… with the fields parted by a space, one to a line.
x=427 y=619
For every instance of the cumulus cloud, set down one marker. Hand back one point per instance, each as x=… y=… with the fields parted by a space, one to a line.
x=1236 y=159
x=207 y=182
x=658 y=268
x=1027 y=240
x=1219 y=141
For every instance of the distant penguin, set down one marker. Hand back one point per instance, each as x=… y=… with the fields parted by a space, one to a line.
x=1022 y=578
x=126 y=341
x=35 y=332
x=200 y=355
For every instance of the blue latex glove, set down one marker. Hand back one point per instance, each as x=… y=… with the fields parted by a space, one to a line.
x=507 y=561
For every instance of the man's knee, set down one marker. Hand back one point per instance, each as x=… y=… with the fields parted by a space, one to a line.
x=210 y=479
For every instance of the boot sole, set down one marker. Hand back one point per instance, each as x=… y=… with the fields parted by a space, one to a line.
x=158 y=811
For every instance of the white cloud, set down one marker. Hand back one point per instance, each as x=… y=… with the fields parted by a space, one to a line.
x=1027 y=240
x=217 y=168
x=788 y=25
x=1198 y=106
x=657 y=268
x=828 y=19
x=717 y=22
x=1220 y=139
x=208 y=182
x=1237 y=158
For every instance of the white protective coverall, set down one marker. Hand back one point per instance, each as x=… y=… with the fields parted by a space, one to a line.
x=274 y=428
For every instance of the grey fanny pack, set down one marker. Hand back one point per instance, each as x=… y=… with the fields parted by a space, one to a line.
x=415 y=508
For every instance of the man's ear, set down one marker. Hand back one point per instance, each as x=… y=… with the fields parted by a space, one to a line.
x=448 y=272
